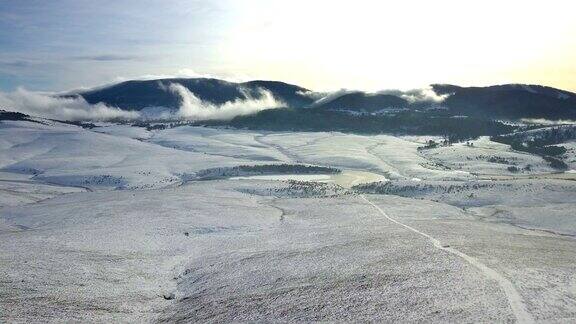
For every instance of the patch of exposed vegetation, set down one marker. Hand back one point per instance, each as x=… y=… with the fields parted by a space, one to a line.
x=404 y=122
x=301 y=189
x=84 y=125
x=12 y=115
x=266 y=169
x=411 y=189
x=542 y=142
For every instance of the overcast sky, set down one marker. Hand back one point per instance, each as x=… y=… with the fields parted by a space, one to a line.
x=323 y=45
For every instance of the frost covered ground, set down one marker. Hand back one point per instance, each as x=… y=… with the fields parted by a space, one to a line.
x=114 y=224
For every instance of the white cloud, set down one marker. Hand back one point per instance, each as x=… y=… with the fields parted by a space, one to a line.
x=50 y=106
x=184 y=73
x=542 y=121
x=53 y=106
x=331 y=96
x=192 y=108
x=423 y=95
x=312 y=94
x=417 y=95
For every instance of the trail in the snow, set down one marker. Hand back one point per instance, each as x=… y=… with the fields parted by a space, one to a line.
x=287 y=155
x=293 y=157
x=45 y=183
x=514 y=299
x=370 y=150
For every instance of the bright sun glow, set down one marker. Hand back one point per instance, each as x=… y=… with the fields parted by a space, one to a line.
x=383 y=44
x=319 y=44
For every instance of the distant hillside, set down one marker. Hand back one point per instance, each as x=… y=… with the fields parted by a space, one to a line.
x=136 y=95
x=360 y=101
x=404 y=122
x=11 y=115
x=509 y=101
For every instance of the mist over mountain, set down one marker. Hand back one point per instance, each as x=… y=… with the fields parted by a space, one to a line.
x=140 y=94
x=206 y=99
x=511 y=101
x=360 y=101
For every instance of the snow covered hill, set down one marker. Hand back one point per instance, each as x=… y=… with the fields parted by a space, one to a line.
x=510 y=101
x=116 y=223
x=139 y=94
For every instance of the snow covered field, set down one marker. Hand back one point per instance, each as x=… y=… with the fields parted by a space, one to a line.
x=109 y=225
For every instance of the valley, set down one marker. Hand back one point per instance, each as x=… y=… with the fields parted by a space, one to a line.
x=217 y=224
x=217 y=161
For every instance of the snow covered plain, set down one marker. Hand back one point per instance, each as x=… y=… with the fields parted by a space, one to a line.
x=108 y=224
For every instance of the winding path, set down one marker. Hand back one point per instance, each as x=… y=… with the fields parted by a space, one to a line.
x=514 y=299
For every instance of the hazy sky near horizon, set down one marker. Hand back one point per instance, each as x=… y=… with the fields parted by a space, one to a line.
x=322 y=45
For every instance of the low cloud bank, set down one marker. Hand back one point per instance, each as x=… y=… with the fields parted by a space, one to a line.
x=184 y=73
x=331 y=96
x=61 y=108
x=54 y=106
x=312 y=94
x=424 y=95
x=191 y=108
x=542 y=121
x=413 y=96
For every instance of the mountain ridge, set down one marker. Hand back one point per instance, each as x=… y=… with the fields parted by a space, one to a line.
x=140 y=94
x=508 y=101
